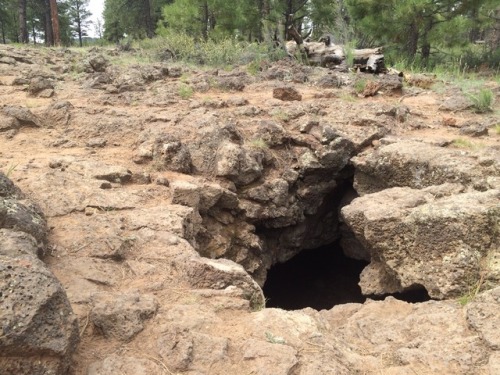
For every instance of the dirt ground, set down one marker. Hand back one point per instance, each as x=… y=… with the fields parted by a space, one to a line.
x=80 y=222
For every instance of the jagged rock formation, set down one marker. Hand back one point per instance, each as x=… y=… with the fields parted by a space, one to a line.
x=39 y=330
x=165 y=214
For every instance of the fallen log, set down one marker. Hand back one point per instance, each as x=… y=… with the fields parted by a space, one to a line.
x=331 y=55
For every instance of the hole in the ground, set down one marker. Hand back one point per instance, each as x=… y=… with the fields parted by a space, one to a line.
x=322 y=278
x=415 y=295
x=318 y=278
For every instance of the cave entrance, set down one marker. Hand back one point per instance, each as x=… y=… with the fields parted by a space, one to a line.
x=319 y=278
x=322 y=278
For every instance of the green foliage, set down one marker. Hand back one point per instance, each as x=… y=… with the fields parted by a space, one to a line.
x=259 y=143
x=424 y=31
x=185 y=91
x=476 y=285
x=79 y=18
x=134 y=18
x=223 y=53
x=483 y=101
x=280 y=115
x=462 y=143
x=274 y=339
x=360 y=85
x=349 y=48
x=11 y=169
x=214 y=19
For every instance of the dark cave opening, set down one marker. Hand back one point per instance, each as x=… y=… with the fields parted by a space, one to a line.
x=322 y=278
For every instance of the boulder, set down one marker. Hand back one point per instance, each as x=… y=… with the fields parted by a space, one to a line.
x=287 y=94
x=8 y=189
x=166 y=152
x=424 y=338
x=418 y=165
x=221 y=274
x=39 y=331
x=185 y=193
x=38 y=85
x=184 y=349
x=97 y=63
x=242 y=165
x=9 y=124
x=269 y=357
x=115 y=364
x=23 y=115
x=24 y=218
x=122 y=316
x=482 y=316
x=436 y=237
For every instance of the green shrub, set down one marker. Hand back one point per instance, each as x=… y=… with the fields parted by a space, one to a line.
x=483 y=101
x=220 y=53
x=359 y=85
x=185 y=91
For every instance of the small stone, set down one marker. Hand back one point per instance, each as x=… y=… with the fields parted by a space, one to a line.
x=89 y=211
x=46 y=94
x=162 y=181
x=449 y=121
x=20 y=81
x=237 y=101
x=141 y=178
x=371 y=88
x=97 y=142
x=287 y=94
x=474 y=130
x=105 y=185
x=55 y=164
x=306 y=128
x=39 y=85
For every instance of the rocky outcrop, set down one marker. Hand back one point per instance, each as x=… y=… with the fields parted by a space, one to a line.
x=439 y=237
x=122 y=316
x=22 y=115
x=39 y=331
x=418 y=165
x=164 y=277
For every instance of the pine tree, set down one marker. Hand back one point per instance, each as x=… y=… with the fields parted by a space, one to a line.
x=23 y=23
x=413 y=26
x=136 y=18
x=79 y=17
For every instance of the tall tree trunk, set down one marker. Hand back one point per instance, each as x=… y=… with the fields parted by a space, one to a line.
x=55 y=22
x=80 y=38
x=288 y=18
x=412 y=44
x=79 y=24
x=33 y=30
x=23 y=25
x=266 y=31
x=204 y=20
x=148 y=17
x=49 y=35
x=475 y=32
x=426 y=45
x=3 y=33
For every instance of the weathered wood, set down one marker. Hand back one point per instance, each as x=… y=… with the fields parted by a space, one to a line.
x=331 y=55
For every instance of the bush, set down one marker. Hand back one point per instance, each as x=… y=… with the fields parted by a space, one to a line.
x=483 y=101
x=185 y=91
x=221 y=53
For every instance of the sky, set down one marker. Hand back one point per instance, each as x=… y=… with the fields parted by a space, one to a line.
x=96 y=7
